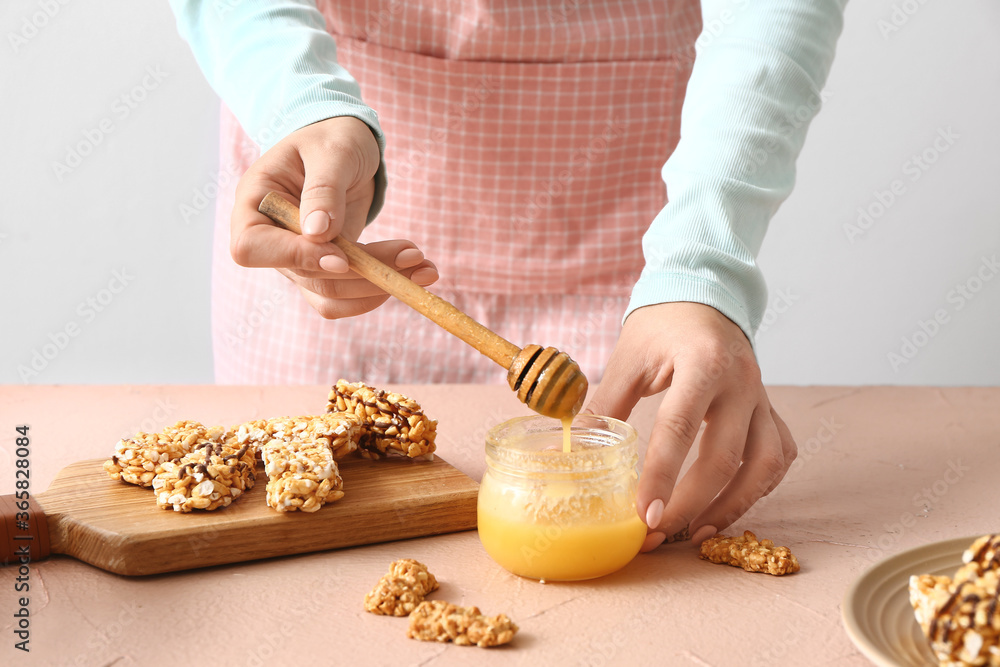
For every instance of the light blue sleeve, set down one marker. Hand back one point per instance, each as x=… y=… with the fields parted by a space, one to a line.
x=275 y=66
x=758 y=73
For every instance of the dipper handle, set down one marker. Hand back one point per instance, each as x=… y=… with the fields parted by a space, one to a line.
x=431 y=306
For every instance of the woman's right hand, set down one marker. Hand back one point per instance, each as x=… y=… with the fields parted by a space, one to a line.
x=328 y=169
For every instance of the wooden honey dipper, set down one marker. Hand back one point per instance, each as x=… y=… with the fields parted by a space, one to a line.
x=546 y=380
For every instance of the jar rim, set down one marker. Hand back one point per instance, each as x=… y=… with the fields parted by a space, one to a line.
x=525 y=445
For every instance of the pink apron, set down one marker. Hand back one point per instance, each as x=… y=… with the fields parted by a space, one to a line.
x=524 y=147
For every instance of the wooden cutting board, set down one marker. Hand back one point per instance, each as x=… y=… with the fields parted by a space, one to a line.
x=119 y=528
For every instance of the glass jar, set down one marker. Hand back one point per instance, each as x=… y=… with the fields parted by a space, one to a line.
x=552 y=515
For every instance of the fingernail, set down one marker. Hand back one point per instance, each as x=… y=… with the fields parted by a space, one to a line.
x=424 y=275
x=654 y=513
x=409 y=257
x=316 y=222
x=703 y=534
x=333 y=263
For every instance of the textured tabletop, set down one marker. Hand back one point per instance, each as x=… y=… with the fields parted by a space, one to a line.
x=880 y=470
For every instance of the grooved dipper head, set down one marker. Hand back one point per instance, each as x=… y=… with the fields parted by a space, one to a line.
x=548 y=381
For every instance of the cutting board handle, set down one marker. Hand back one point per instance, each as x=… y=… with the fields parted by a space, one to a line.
x=24 y=530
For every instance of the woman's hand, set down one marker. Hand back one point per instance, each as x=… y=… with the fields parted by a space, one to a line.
x=328 y=169
x=708 y=368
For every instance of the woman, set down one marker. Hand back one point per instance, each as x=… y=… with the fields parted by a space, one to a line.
x=523 y=145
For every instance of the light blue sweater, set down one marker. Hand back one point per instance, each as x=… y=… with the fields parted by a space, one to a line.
x=755 y=87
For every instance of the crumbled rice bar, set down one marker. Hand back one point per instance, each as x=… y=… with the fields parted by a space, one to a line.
x=747 y=552
x=682 y=535
x=400 y=591
x=438 y=621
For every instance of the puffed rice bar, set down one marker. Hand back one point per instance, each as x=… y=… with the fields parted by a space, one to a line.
x=439 y=621
x=928 y=593
x=394 y=424
x=137 y=460
x=208 y=478
x=300 y=475
x=339 y=432
x=982 y=556
x=747 y=552
x=960 y=616
x=400 y=591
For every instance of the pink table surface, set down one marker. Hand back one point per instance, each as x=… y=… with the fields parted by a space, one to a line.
x=869 y=458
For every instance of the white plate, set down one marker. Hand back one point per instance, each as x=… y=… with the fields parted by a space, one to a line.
x=877 y=612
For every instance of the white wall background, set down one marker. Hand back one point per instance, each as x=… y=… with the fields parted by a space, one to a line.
x=106 y=278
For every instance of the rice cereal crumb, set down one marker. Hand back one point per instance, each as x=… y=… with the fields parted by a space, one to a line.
x=400 y=591
x=440 y=621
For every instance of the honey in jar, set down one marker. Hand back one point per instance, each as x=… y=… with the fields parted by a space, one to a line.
x=557 y=515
